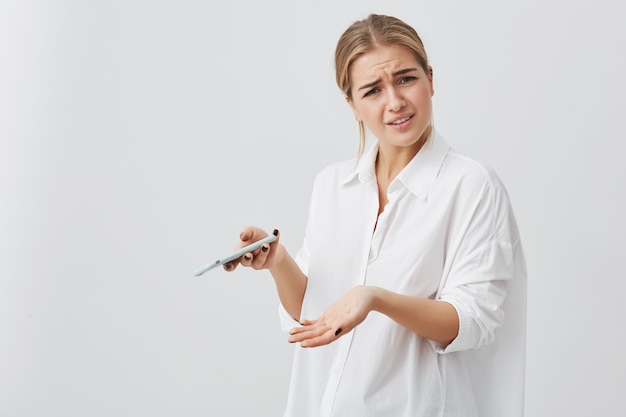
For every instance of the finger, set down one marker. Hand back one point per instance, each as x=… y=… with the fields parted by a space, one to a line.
x=261 y=256
x=304 y=336
x=325 y=338
x=252 y=234
x=246 y=259
x=246 y=233
x=307 y=332
x=298 y=330
x=305 y=325
x=230 y=266
x=265 y=252
x=277 y=234
x=316 y=335
x=321 y=340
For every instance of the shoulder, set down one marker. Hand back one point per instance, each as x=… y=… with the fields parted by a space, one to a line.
x=471 y=172
x=478 y=189
x=470 y=185
x=464 y=165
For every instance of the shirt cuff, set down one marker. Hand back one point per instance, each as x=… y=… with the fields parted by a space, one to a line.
x=286 y=321
x=460 y=341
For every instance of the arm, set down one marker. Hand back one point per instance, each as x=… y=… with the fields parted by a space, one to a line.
x=432 y=319
x=435 y=320
x=290 y=281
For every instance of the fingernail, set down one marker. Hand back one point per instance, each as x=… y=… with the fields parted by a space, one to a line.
x=264 y=248
x=338 y=332
x=275 y=232
x=228 y=266
x=247 y=257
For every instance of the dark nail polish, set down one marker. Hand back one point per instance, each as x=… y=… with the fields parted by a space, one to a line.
x=338 y=332
x=247 y=257
x=275 y=232
x=228 y=266
x=264 y=248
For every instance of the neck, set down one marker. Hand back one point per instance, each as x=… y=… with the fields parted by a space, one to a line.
x=392 y=159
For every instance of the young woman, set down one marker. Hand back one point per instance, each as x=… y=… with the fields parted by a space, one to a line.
x=407 y=297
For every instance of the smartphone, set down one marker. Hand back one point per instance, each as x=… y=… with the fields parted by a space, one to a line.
x=234 y=255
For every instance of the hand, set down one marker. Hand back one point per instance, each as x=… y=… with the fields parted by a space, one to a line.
x=339 y=319
x=261 y=258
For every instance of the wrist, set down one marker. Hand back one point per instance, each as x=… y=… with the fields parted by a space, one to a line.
x=377 y=298
x=279 y=256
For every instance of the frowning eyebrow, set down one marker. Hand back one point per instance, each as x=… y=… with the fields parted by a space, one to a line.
x=395 y=74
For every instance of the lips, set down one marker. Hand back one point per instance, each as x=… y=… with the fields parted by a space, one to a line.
x=400 y=120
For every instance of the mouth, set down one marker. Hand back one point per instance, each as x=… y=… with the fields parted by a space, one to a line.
x=400 y=120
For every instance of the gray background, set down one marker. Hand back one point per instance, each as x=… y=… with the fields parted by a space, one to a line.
x=138 y=137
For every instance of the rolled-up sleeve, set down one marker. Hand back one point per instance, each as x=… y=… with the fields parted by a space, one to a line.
x=479 y=307
x=286 y=321
x=483 y=265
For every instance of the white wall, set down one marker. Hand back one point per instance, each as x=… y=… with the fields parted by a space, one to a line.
x=138 y=137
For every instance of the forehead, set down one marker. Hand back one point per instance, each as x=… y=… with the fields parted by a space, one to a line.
x=380 y=60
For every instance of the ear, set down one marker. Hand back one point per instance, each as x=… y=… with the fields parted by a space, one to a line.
x=357 y=116
x=430 y=80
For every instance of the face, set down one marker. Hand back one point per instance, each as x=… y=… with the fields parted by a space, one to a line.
x=391 y=94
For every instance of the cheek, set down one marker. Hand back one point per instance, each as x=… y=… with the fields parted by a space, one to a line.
x=370 y=112
x=425 y=100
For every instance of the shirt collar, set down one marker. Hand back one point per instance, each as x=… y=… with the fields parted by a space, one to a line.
x=418 y=176
x=364 y=169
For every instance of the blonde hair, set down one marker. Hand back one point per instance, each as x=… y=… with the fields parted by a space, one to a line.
x=363 y=36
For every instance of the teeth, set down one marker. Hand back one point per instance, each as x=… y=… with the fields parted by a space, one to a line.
x=397 y=122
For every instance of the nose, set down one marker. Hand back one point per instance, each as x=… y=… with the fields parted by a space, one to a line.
x=395 y=100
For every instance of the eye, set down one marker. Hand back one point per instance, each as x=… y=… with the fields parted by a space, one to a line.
x=406 y=80
x=372 y=92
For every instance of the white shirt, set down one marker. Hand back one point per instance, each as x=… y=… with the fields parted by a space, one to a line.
x=447 y=233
